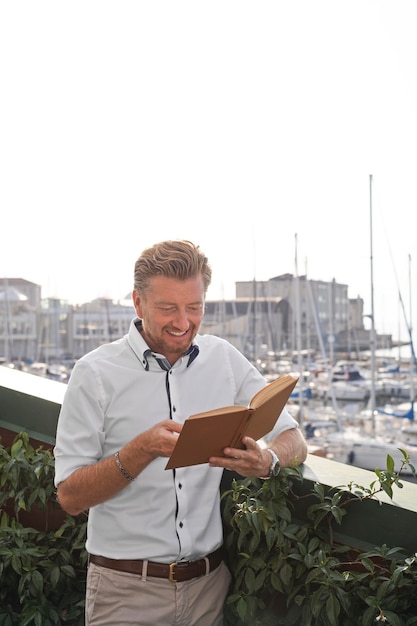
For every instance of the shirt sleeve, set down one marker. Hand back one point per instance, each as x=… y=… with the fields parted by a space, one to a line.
x=80 y=430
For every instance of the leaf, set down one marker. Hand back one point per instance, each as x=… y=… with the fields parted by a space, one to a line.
x=68 y=570
x=313 y=544
x=367 y=564
x=270 y=538
x=392 y=618
x=390 y=464
x=16 y=564
x=260 y=580
x=250 y=579
x=316 y=602
x=4 y=520
x=285 y=574
x=276 y=583
x=309 y=560
x=37 y=581
x=369 y=615
x=388 y=489
x=333 y=609
x=345 y=599
x=39 y=620
x=16 y=447
x=241 y=609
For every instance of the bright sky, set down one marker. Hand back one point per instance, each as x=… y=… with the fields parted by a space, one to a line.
x=243 y=126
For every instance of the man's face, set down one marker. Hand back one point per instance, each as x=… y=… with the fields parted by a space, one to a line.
x=171 y=312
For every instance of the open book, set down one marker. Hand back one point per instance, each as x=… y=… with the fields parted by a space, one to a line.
x=207 y=434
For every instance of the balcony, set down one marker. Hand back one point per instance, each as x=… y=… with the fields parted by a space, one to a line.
x=32 y=404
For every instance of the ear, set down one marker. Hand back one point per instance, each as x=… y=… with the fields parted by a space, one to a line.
x=137 y=303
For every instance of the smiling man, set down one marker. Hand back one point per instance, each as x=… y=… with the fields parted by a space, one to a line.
x=171 y=312
x=155 y=536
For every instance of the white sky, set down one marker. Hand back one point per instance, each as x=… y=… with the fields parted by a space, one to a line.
x=235 y=124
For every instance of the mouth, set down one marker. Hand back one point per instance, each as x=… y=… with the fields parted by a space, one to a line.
x=177 y=333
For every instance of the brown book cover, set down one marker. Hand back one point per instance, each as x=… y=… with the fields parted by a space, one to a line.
x=207 y=434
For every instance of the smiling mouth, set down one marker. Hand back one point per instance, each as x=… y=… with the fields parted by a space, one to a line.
x=178 y=334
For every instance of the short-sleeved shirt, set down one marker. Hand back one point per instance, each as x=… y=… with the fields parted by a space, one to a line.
x=120 y=390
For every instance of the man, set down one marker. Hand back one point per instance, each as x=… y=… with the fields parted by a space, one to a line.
x=154 y=535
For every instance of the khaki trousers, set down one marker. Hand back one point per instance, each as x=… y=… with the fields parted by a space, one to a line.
x=120 y=599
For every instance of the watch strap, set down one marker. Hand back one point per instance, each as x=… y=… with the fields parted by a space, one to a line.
x=275 y=466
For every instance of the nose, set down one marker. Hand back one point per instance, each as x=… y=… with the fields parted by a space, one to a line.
x=180 y=320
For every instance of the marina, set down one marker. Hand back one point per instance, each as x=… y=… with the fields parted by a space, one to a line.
x=343 y=429
x=355 y=395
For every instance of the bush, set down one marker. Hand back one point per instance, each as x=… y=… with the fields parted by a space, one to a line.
x=293 y=573
x=284 y=571
x=42 y=568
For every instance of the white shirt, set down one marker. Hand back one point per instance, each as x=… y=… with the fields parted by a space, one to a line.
x=118 y=391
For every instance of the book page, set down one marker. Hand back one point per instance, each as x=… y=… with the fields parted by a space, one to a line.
x=234 y=408
x=272 y=389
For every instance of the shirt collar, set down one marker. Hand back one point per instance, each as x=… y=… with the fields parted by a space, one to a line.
x=145 y=352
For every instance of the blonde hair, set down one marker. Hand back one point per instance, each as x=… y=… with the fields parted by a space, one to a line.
x=174 y=259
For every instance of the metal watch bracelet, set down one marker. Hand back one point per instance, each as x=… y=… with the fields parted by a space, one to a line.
x=275 y=467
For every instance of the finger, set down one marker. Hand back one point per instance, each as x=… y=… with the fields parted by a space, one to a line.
x=250 y=443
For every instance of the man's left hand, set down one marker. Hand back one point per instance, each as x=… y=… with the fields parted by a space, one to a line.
x=252 y=461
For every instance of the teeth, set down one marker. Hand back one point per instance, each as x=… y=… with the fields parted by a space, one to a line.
x=177 y=334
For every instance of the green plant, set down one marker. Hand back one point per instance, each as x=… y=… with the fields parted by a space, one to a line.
x=26 y=479
x=294 y=573
x=284 y=571
x=42 y=570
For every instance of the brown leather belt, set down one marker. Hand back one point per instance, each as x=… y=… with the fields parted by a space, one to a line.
x=176 y=572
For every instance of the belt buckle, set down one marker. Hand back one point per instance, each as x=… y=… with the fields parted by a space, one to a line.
x=171 y=576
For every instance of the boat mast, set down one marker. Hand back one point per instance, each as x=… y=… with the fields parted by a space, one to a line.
x=298 y=334
x=372 y=402
x=412 y=354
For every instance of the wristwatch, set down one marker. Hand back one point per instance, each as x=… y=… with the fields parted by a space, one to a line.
x=275 y=467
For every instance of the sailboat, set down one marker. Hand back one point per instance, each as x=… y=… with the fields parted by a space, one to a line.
x=363 y=445
x=405 y=410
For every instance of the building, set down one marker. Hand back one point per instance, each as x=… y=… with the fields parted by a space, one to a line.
x=19 y=304
x=289 y=314
x=36 y=330
x=285 y=314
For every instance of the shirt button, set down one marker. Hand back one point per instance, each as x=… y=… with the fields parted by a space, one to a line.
x=174 y=409
x=181 y=524
x=179 y=485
